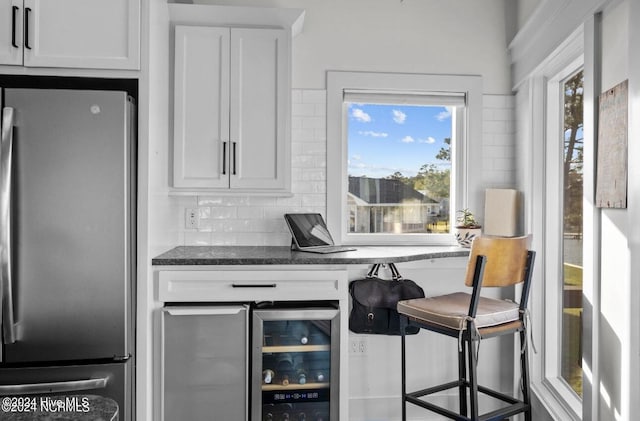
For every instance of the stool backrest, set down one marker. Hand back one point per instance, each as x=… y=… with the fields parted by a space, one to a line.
x=506 y=260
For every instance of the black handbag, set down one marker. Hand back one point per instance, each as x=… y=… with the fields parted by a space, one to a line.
x=375 y=300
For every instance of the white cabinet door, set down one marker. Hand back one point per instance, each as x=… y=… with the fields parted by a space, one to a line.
x=259 y=108
x=231 y=109
x=201 y=107
x=11 y=31
x=101 y=34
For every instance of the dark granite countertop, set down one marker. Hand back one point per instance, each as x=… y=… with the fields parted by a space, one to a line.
x=276 y=255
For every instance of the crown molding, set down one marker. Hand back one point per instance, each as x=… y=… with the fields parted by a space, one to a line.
x=552 y=22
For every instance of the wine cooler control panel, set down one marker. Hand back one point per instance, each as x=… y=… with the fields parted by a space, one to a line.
x=295 y=364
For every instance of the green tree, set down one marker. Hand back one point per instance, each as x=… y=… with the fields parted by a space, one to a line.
x=434 y=180
x=398 y=176
x=573 y=152
x=445 y=152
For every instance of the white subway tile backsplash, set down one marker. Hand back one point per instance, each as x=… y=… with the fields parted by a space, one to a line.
x=250 y=212
x=224 y=212
x=314 y=96
x=314 y=123
x=301 y=109
x=258 y=220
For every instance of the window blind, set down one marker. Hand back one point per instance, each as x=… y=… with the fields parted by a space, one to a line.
x=456 y=99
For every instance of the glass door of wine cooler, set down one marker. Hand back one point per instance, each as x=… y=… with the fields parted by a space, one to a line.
x=295 y=364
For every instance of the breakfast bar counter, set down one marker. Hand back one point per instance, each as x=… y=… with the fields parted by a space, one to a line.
x=283 y=255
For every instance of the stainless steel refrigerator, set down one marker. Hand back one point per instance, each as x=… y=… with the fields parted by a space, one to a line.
x=67 y=250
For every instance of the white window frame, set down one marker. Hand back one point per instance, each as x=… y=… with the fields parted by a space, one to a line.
x=466 y=146
x=545 y=219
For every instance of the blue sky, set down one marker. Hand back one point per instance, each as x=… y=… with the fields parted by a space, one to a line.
x=384 y=139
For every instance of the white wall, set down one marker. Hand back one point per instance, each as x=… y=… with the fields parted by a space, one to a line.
x=412 y=36
x=614 y=323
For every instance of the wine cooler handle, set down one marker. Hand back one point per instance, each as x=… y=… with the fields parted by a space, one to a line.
x=203 y=311
x=54 y=387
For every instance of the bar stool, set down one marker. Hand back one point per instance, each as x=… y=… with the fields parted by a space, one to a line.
x=469 y=318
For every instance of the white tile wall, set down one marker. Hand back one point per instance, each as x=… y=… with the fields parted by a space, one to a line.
x=498 y=149
x=251 y=220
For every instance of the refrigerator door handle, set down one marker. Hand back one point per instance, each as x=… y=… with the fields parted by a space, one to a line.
x=53 y=387
x=6 y=284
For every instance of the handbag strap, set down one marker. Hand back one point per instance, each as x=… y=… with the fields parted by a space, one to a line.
x=373 y=272
x=395 y=273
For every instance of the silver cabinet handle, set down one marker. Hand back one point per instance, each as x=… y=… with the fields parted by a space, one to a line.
x=6 y=283
x=53 y=387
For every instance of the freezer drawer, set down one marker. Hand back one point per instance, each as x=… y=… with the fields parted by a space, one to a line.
x=99 y=391
x=205 y=360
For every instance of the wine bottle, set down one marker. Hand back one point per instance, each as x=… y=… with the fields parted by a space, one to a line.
x=300 y=368
x=284 y=362
x=300 y=332
x=284 y=380
x=267 y=412
x=319 y=417
x=284 y=367
x=268 y=376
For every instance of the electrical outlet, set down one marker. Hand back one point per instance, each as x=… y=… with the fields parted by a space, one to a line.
x=192 y=218
x=358 y=346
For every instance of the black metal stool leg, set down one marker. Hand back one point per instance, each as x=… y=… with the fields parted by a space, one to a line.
x=473 y=380
x=462 y=377
x=403 y=325
x=524 y=370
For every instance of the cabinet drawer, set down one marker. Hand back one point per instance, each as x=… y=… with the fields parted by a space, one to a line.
x=243 y=285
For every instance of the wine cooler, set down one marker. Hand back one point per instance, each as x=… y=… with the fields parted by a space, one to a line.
x=295 y=364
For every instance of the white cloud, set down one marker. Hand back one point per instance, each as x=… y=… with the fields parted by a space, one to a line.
x=443 y=115
x=356 y=157
x=407 y=139
x=399 y=117
x=373 y=134
x=430 y=140
x=360 y=115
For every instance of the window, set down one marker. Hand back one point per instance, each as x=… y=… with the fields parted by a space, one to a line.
x=397 y=155
x=572 y=176
x=557 y=368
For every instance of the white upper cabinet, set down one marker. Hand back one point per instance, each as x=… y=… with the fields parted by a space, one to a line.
x=232 y=105
x=97 y=34
x=11 y=20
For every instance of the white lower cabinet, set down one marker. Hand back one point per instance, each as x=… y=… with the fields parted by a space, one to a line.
x=232 y=109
